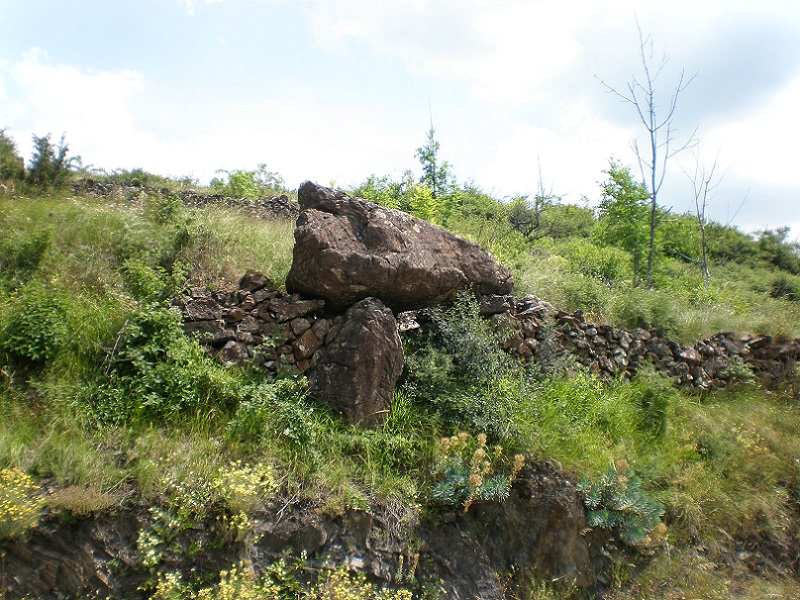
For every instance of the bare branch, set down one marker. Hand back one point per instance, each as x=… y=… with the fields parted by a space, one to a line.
x=659 y=127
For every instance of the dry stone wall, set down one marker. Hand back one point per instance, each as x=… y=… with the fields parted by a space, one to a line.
x=256 y=325
x=269 y=207
x=536 y=330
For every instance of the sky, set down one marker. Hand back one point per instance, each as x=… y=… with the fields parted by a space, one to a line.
x=333 y=91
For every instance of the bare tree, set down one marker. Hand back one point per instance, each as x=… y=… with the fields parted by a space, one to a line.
x=705 y=189
x=642 y=94
x=526 y=216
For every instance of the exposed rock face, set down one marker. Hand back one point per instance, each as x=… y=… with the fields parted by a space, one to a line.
x=356 y=372
x=540 y=528
x=347 y=249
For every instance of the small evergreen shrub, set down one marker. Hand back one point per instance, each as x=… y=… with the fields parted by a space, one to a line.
x=617 y=502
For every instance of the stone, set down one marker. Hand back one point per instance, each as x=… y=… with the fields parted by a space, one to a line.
x=210 y=332
x=347 y=249
x=252 y=281
x=690 y=356
x=249 y=324
x=202 y=309
x=235 y=315
x=299 y=325
x=285 y=310
x=356 y=373
x=306 y=345
x=321 y=328
x=266 y=294
x=493 y=304
x=233 y=353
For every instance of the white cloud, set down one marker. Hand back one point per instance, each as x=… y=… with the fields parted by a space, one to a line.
x=501 y=50
x=92 y=108
x=573 y=155
x=764 y=144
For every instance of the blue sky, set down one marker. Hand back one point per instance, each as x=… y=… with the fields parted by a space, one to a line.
x=333 y=91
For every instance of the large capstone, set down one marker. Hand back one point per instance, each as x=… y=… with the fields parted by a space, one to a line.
x=356 y=372
x=347 y=249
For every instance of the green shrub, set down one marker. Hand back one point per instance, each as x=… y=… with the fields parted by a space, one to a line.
x=155 y=372
x=786 y=286
x=606 y=263
x=249 y=185
x=33 y=323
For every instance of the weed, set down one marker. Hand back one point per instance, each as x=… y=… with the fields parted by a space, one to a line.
x=20 y=504
x=82 y=501
x=469 y=472
x=616 y=501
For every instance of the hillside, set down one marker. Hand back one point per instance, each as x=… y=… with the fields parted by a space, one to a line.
x=136 y=464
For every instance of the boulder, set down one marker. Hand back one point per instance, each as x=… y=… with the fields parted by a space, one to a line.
x=347 y=249
x=355 y=373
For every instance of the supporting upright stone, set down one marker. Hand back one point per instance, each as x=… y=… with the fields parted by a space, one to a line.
x=356 y=372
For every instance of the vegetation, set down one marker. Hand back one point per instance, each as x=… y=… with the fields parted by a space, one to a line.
x=105 y=397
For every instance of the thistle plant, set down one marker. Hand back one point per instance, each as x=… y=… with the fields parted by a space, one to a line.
x=470 y=471
x=617 y=502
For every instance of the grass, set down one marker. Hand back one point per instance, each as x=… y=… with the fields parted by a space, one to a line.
x=102 y=393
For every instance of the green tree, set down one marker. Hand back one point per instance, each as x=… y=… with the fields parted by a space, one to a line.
x=623 y=222
x=50 y=166
x=12 y=167
x=435 y=174
x=422 y=204
x=776 y=249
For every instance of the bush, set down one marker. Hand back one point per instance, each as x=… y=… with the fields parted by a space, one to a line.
x=155 y=372
x=785 y=286
x=33 y=324
x=600 y=262
x=12 y=167
x=459 y=370
x=250 y=185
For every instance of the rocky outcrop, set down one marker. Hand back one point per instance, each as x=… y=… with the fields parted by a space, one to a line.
x=257 y=325
x=355 y=374
x=347 y=249
x=539 y=529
